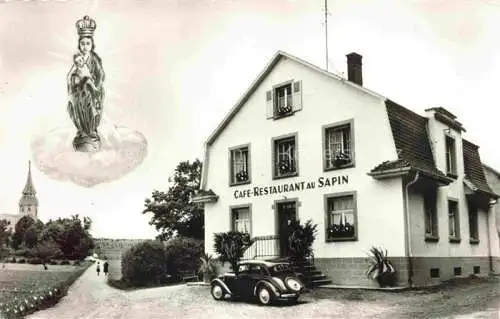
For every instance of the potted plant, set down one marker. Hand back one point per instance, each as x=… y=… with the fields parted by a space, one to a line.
x=300 y=242
x=242 y=176
x=285 y=167
x=381 y=268
x=208 y=268
x=284 y=109
x=341 y=159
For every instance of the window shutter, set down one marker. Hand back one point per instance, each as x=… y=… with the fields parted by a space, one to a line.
x=269 y=104
x=297 y=96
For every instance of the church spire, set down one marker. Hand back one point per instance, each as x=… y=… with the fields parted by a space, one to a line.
x=28 y=204
x=29 y=189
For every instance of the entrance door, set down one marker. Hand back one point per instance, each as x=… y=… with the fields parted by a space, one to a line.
x=287 y=211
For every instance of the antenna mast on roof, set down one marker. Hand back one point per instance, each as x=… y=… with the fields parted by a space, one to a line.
x=326 y=32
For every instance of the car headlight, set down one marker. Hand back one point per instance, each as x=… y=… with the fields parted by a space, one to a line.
x=293 y=284
x=280 y=283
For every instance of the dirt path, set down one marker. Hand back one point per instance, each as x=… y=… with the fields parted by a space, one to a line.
x=88 y=297
x=91 y=297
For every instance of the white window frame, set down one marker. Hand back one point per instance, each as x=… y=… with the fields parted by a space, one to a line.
x=242 y=166
x=451 y=155
x=341 y=156
x=245 y=221
x=287 y=153
x=453 y=220
x=430 y=216
x=330 y=215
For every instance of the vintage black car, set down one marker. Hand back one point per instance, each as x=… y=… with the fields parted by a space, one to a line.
x=266 y=281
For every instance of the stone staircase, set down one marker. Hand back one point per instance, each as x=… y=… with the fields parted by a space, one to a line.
x=309 y=274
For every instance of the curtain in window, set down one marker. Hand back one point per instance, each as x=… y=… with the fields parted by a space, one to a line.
x=241 y=220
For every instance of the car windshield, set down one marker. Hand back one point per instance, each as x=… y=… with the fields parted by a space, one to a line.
x=280 y=269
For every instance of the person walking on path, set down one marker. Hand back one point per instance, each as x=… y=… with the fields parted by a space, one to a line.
x=105 y=267
x=98 y=268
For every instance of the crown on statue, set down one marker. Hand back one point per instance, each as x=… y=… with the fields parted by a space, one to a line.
x=85 y=27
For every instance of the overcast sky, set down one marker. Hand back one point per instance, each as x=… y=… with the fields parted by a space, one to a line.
x=175 y=68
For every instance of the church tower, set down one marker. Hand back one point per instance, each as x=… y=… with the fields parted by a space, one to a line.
x=28 y=204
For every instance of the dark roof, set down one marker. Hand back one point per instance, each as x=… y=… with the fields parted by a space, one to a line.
x=473 y=168
x=412 y=142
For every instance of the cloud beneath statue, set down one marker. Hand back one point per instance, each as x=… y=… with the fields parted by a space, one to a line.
x=122 y=151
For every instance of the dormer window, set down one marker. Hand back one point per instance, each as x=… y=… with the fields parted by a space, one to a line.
x=451 y=157
x=284 y=99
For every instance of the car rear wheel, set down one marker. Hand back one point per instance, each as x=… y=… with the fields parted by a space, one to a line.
x=265 y=296
x=217 y=292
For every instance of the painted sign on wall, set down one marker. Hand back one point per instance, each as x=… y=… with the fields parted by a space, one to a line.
x=321 y=182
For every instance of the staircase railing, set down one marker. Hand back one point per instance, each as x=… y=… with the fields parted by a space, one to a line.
x=263 y=246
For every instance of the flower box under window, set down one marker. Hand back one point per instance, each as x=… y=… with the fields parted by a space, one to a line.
x=242 y=176
x=340 y=231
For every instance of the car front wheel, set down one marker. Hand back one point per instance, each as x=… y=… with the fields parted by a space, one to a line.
x=217 y=292
x=265 y=296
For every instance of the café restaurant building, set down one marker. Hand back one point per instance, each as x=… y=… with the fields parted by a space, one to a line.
x=303 y=143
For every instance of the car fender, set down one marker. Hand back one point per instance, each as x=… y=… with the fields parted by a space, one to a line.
x=223 y=284
x=268 y=285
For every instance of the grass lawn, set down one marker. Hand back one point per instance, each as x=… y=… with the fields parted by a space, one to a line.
x=25 y=288
x=458 y=296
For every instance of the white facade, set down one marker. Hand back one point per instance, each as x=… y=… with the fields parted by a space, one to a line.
x=325 y=101
x=385 y=214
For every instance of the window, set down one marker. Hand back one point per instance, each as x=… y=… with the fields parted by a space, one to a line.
x=285 y=157
x=457 y=271
x=453 y=221
x=434 y=272
x=473 y=227
x=341 y=217
x=284 y=99
x=451 y=160
x=240 y=160
x=338 y=146
x=241 y=219
x=431 y=225
x=476 y=270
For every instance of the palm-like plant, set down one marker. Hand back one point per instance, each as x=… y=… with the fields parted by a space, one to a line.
x=381 y=268
x=208 y=267
x=300 y=240
x=231 y=246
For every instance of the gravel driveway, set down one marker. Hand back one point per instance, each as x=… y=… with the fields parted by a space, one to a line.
x=91 y=297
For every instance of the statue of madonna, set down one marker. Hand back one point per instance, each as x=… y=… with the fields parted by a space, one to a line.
x=85 y=89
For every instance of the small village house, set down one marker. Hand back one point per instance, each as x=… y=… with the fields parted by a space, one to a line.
x=308 y=144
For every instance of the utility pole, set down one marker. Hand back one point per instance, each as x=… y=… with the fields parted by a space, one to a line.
x=326 y=32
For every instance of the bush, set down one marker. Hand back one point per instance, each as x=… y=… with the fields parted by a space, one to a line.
x=145 y=264
x=21 y=261
x=53 y=262
x=65 y=262
x=35 y=261
x=183 y=255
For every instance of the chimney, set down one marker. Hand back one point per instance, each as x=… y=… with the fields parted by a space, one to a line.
x=354 y=68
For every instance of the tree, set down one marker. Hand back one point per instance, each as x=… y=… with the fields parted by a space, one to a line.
x=231 y=246
x=47 y=250
x=5 y=233
x=173 y=212
x=31 y=234
x=20 y=229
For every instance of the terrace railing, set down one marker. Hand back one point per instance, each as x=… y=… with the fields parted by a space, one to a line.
x=263 y=246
